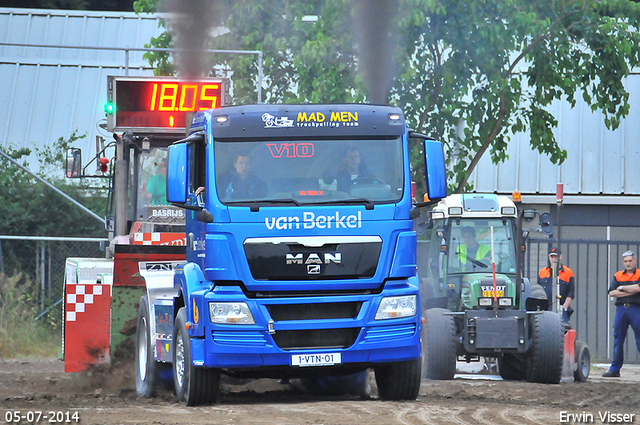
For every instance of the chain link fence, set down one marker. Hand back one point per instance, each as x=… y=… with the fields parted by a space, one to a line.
x=39 y=262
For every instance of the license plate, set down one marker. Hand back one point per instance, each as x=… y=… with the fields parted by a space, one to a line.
x=325 y=359
x=490 y=293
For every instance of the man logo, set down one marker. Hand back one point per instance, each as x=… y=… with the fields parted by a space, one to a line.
x=313 y=269
x=314 y=258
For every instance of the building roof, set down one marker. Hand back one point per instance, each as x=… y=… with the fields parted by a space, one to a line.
x=48 y=93
x=601 y=164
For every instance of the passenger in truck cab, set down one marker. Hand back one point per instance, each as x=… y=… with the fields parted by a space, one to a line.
x=470 y=249
x=353 y=170
x=240 y=182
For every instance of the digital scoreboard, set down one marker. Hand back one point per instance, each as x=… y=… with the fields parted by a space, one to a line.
x=159 y=104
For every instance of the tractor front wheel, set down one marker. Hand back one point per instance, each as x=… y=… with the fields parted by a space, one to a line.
x=546 y=354
x=438 y=345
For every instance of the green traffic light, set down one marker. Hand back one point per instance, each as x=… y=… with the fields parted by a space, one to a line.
x=109 y=108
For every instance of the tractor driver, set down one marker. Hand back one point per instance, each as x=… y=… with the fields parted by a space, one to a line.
x=471 y=249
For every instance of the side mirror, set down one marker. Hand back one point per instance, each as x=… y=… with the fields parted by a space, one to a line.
x=420 y=224
x=546 y=224
x=177 y=173
x=436 y=173
x=204 y=216
x=74 y=163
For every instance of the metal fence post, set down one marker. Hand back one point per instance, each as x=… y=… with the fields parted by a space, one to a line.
x=42 y=279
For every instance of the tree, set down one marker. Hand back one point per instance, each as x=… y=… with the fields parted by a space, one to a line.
x=471 y=73
x=495 y=66
x=303 y=61
x=28 y=207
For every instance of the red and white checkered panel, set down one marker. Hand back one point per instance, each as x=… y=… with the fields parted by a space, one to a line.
x=158 y=238
x=87 y=326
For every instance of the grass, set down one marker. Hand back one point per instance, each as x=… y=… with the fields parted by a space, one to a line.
x=20 y=335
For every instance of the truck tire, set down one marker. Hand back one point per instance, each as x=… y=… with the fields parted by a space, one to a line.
x=147 y=369
x=583 y=361
x=512 y=367
x=438 y=345
x=194 y=385
x=546 y=354
x=399 y=381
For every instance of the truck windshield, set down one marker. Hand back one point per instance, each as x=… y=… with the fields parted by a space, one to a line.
x=273 y=172
x=470 y=246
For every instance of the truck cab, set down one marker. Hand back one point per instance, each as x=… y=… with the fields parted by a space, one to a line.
x=301 y=253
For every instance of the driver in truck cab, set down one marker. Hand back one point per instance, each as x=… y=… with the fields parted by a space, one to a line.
x=354 y=169
x=471 y=249
x=240 y=182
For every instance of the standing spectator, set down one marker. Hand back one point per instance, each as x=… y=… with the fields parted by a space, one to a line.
x=548 y=276
x=625 y=287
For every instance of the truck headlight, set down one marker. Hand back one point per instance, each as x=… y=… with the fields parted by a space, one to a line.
x=395 y=307
x=231 y=313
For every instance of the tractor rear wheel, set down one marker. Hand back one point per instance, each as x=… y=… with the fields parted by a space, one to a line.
x=194 y=385
x=583 y=361
x=546 y=354
x=438 y=345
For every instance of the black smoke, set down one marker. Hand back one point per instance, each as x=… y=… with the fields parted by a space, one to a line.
x=376 y=29
x=191 y=23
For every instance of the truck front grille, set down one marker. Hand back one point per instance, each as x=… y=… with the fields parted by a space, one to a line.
x=316 y=311
x=317 y=338
x=385 y=333
x=249 y=338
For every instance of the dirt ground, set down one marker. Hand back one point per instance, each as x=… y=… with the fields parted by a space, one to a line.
x=108 y=397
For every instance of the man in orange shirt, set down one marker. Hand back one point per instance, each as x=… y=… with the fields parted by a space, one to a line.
x=547 y=278
x=625 y=287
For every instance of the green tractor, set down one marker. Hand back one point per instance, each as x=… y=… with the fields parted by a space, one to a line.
x=475 y=302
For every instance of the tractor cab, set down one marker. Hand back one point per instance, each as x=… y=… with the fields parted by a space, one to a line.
x=473 y=236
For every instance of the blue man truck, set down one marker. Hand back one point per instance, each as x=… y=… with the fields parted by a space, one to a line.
x=300 y=251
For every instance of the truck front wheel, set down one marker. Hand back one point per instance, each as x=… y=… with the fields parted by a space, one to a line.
x=194 y=385
x=399 y=381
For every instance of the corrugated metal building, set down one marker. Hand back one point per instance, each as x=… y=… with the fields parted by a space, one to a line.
x=600 y=162
x=48 y=93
